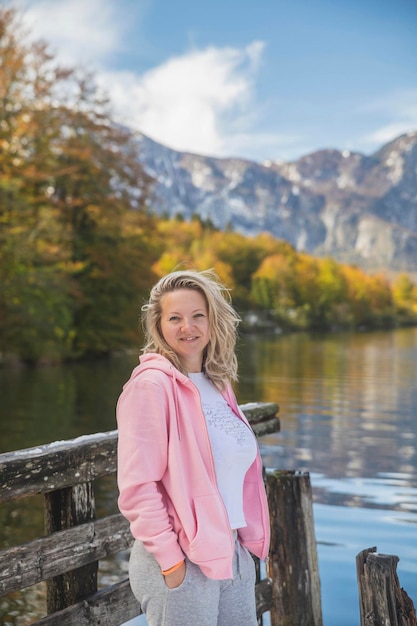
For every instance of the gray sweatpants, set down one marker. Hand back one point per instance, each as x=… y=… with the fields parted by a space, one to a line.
x=198 y=601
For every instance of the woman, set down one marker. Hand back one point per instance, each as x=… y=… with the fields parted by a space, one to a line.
x=189 y=468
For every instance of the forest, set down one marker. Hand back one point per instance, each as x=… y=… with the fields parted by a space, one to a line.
x=81 y=246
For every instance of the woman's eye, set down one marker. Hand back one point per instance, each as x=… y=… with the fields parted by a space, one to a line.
x=173 y=318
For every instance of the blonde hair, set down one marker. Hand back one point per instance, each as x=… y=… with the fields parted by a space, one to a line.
x=219 y=360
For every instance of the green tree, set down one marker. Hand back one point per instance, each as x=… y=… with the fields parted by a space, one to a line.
x=273 y=285
x=331 y=294
x=35 y=318
x=404 y=293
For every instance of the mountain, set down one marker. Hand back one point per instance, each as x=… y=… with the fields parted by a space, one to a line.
x=356 y=208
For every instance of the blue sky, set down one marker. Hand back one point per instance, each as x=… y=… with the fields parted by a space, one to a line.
x=264 y=80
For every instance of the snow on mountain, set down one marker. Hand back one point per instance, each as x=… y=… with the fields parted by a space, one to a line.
x=356 y=208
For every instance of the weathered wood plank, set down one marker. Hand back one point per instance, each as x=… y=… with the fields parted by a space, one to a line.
x=263 y=595
x=266 y=427
x=381 y=598
x=110 y=607
x=62 y=464
x=57 y=465
x=63 y=551
x=258 y=411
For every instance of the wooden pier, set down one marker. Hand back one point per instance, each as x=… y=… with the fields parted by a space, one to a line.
x=67 y=558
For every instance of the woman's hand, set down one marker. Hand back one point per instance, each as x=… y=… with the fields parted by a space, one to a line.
x=176 y=578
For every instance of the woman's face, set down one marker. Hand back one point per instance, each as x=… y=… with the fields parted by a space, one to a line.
x=185 y=326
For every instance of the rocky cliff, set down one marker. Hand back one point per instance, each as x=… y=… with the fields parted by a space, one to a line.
x=356 y=208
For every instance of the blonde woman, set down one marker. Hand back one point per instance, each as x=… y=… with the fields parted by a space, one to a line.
x=189 y=468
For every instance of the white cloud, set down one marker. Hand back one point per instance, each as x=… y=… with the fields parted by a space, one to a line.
x=202 y=101
x=389 y=132
x=191 y=102
x=400 y=108
x=78 y=31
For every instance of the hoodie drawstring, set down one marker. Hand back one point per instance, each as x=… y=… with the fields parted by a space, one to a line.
x=237 y=550
x=176 y=401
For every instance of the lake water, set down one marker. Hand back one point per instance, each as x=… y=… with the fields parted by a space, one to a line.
x=348 y=405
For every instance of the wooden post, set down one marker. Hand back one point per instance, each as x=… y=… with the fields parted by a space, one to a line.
x=381 y=599
x=66 y=508
x=293 y=563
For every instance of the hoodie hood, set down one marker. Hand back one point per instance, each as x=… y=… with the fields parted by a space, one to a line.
x=154 y=361
x=151 y=361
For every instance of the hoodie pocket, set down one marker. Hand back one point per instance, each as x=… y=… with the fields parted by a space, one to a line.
x=213 y=537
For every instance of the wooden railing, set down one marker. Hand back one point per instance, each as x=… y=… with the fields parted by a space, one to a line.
x=67 y=558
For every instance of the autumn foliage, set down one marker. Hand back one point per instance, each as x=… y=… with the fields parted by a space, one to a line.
x=80 y=247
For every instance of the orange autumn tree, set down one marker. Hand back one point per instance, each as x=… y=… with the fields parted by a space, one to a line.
x=294 y=289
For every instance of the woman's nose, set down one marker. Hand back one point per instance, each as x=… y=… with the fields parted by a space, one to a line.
x=187 y=323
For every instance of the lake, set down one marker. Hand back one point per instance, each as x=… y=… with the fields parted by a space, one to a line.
x=348 y=405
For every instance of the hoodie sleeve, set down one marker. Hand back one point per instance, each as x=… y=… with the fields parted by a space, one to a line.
x=142 y=418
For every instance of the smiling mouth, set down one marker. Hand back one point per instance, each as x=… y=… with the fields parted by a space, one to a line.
x=188 y=338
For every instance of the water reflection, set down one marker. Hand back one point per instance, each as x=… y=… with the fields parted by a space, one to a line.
x=53 y=403
x=347 y=409
x=346 y=402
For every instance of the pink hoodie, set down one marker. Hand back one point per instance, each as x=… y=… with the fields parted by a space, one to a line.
x=166 y=474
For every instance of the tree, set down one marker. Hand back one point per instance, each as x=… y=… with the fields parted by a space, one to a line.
x=76 y=241
x=273 y=284
x=404 y=293
x=34 y=293
x=331 y=293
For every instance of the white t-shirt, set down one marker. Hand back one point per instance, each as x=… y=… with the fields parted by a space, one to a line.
x=233 y=445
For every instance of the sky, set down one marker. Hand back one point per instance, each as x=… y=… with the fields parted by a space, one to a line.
x=261 y=80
